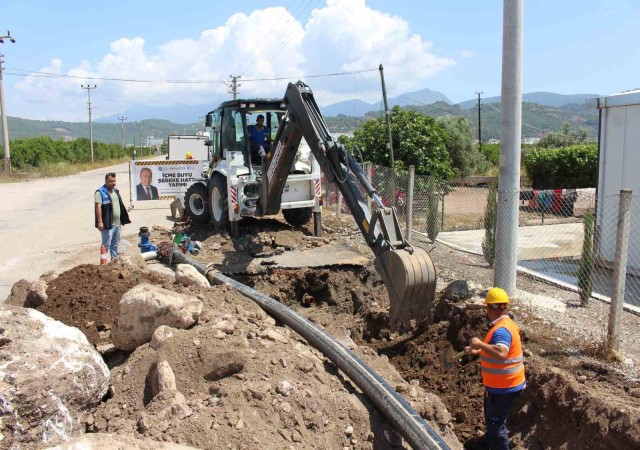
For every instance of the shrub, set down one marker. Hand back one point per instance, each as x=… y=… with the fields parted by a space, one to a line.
x=490 y=215
x=566 y=167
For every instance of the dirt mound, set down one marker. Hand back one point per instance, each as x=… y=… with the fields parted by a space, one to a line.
x=572 y=401
x=88 y=296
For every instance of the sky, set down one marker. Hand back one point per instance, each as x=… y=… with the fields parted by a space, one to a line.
x=184 y=52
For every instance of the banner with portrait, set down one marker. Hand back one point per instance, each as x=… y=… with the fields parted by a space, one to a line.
x=163 y=180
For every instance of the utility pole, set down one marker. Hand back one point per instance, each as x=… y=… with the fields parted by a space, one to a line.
x=235 y=85
x=88 y=88
x=479 y=124
x=387 y=116
x=122 y=119
x=510 y=134
x=140 y=136
x=5 y=129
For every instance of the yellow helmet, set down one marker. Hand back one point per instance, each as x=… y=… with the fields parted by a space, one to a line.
x=495 y=296
x=188 y=155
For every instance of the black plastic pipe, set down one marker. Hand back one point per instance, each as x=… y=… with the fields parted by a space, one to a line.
x=403 y=417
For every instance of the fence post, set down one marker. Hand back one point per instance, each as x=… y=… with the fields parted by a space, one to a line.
x=409 y=203
x=619 y=270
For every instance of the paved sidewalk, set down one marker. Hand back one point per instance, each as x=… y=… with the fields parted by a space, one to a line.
x=535 y=242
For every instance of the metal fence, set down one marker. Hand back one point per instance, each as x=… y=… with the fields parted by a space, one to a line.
x=552 y=227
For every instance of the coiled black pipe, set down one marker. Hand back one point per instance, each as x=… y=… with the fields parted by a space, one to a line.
x=403 y=417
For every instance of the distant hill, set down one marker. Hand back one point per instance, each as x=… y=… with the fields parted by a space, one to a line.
x=536 y=119
x=185 y=114
x=102 y=132
x=358 y=108
x=542 y=98
x=190 y=113
x=542 y=112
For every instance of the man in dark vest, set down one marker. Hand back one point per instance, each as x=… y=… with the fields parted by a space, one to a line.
x=110 y=214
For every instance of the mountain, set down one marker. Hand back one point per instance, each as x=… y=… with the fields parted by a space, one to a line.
x=188 y=114
x=536 y=119
x=541 y=98
x=185 y=114
x=344 y=117
x=424 y=96
x=102 y=132
x=358 y=108
x=353 y=108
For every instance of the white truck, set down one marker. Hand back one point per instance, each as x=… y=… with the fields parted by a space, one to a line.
x=180 y=145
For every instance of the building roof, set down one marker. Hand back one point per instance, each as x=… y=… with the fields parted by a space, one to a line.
x=622 y=99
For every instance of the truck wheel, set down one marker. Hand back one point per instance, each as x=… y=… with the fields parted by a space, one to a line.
x=219 y=202
x=196 y=203
x=297 y=216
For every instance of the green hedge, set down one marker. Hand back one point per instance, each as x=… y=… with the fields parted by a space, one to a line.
x=38 y=151
x=565 y=167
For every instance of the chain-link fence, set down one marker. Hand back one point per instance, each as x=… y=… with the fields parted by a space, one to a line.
x=552 y=226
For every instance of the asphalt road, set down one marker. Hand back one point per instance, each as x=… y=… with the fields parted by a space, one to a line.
x=48 y=224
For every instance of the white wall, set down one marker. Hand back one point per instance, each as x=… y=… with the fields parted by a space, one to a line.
x=619 y=169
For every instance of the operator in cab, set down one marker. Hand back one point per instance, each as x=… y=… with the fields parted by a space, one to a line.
x=259 y=140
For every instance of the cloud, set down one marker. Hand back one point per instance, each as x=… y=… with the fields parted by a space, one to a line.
x=341 y=36
x=467 y=54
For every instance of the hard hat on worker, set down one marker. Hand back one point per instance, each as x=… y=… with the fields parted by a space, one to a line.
x=496 y=296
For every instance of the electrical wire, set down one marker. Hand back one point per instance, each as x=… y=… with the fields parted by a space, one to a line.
x=25 y=73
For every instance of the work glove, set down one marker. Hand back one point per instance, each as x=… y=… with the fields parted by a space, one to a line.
x=261 y=152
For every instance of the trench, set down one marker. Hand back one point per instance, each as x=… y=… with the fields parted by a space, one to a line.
x=539 y=419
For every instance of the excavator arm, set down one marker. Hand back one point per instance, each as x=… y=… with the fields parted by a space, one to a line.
x=407 y=271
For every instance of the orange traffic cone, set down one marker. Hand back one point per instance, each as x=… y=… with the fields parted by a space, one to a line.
x=103 y=255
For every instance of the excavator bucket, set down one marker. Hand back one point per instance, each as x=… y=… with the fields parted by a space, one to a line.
x=410 y=278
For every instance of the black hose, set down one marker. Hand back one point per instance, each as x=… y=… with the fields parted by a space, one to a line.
x=403 y=417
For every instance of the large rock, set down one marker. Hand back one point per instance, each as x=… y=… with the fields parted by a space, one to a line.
x=106 y=441
x=457 y=290
x=146 y=307
x=188 y=275
x=50 y=377
x=37 y=293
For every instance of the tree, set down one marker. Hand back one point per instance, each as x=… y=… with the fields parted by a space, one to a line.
x=565 y=138
x=466 y=158
x=418 y=140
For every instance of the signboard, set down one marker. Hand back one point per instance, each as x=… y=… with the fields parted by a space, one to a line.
x=164 y=180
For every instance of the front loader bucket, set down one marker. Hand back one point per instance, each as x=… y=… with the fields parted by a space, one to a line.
x=411 y=282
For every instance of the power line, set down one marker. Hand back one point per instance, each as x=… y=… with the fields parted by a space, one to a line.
x=130 y=80
x=523 y=124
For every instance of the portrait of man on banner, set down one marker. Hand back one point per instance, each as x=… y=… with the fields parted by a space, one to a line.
x=145 y=190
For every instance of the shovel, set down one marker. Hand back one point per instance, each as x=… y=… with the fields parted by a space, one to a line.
x=450 y=357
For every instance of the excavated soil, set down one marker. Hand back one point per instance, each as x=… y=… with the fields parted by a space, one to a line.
x=575 y=399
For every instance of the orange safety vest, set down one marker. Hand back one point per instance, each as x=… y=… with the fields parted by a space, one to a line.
x=503 y=373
